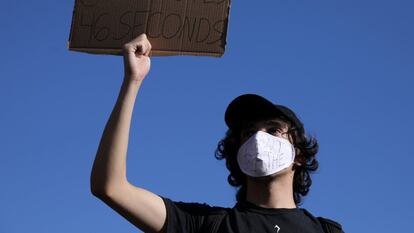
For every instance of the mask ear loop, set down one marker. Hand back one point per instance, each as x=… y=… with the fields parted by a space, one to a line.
x=291 y=133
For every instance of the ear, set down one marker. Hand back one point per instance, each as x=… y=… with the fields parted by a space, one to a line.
x=296 y=164
x=298 y=159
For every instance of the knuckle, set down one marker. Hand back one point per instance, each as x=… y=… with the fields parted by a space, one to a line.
x=126 y=47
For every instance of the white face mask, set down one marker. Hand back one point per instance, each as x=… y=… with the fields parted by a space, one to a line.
x=264 y=154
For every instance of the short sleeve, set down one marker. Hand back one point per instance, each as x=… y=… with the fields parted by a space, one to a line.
x=185 y=217
x=330 y=226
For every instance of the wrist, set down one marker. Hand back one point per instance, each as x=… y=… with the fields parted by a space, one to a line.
x=131 y=84
x=133 y=80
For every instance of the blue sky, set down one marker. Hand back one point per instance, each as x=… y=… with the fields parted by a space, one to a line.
x=345 y=67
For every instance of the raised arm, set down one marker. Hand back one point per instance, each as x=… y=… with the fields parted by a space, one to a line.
x=108 y=177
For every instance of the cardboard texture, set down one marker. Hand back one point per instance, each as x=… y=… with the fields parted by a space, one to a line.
x=174 y=27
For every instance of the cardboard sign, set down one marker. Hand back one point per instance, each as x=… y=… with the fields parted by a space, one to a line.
x=174 y=27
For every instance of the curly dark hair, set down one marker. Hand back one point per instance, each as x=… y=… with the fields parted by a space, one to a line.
x=306 y=149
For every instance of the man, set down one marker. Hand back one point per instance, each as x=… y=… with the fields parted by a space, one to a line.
x=266 y=151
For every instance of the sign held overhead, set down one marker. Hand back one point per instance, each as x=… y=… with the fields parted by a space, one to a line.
x=174 y=27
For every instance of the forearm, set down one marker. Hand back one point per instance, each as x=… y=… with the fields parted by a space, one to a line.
x=109 y=168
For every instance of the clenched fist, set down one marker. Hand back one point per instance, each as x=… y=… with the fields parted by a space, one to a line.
x=136 y=58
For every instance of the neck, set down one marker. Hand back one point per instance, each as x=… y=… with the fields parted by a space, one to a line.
x=271 y=192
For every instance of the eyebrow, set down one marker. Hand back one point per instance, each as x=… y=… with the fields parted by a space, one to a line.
x=274 y=123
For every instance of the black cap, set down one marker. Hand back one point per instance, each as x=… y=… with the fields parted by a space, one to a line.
x=251 y=107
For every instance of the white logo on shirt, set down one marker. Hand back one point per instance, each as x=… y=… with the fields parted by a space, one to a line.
x=278 y=228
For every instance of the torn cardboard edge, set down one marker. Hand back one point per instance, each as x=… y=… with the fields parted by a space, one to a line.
x=88 y=24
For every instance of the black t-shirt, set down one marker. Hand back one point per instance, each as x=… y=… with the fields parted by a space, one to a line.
x=244 y=217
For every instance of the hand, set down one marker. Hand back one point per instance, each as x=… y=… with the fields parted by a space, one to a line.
x=136 y=58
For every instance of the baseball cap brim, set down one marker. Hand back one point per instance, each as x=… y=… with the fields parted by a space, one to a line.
x=251 y=107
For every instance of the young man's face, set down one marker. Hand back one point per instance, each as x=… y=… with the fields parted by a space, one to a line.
x=274 y=127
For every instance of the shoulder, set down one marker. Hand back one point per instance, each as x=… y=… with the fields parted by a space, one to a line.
x=329 y=225
x=195 y=208
x=193 y=216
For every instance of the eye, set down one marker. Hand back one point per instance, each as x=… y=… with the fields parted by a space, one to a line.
x=273 y=131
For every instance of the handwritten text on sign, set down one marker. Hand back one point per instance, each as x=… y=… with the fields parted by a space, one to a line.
x=195 y=26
